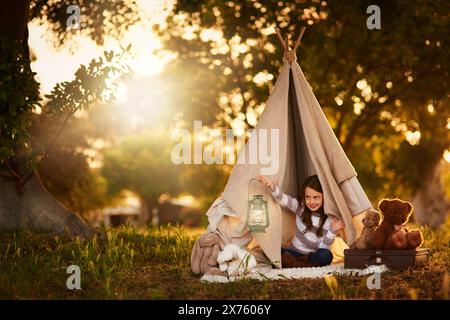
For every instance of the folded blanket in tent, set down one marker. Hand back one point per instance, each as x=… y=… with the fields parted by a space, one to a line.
x=236 y=261
x=204 y=255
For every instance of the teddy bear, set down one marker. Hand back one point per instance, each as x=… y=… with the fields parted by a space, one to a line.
x=204 y=255
x=392 y=233
x=371 y=221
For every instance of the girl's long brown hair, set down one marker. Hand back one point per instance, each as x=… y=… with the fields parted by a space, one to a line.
x=314 y=183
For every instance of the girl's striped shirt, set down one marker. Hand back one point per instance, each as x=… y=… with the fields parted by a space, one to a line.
x=305 y=242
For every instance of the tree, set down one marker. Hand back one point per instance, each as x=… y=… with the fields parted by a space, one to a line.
x=24 y=200
x=205 y=182
x=142 y=163
x=431 y=203
x=66 y=171
x=377 y=87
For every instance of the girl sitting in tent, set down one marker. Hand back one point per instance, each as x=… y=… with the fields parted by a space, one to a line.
x=315 y=231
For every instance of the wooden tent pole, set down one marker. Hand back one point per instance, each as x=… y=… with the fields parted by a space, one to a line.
x=280 y=38
x=288 y=53
x=300 y=36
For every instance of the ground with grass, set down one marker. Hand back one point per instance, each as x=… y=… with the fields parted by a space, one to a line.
x=127 y=263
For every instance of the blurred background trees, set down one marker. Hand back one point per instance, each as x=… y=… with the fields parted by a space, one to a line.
x=25 y=202
x=385 y=93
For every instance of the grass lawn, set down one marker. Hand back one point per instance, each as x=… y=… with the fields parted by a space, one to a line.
x=154 y=264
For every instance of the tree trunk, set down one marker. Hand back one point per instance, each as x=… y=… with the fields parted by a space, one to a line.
x=35 y=208
x=38 y=210
x=430 y=203
x=14 y=17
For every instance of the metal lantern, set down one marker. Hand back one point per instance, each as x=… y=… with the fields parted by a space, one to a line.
x=257 y=212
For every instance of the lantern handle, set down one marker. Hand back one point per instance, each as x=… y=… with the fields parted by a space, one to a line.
x=249 y=185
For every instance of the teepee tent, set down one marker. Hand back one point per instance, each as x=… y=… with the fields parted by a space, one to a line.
x=306 y=145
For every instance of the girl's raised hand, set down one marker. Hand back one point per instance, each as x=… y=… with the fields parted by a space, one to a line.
x=337 y=225
x=266 y=181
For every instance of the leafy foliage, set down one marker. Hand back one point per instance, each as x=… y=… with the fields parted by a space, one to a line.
x=374 y=85
x=24 y=119
x=142 y=163
x=88 y=88
x=62 y=137
x=97 y=18
x=19 y=96
x=205 y=182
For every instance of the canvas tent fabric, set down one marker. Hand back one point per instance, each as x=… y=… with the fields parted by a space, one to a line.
x=306 y=146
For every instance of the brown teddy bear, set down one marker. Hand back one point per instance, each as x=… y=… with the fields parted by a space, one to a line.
x=370 y=222
x=392 y=233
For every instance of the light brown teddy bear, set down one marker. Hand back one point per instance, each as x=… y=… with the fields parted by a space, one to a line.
x=392 y=232
x=370 y=222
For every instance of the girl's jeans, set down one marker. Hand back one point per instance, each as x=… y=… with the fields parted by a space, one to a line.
x=323 y=257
